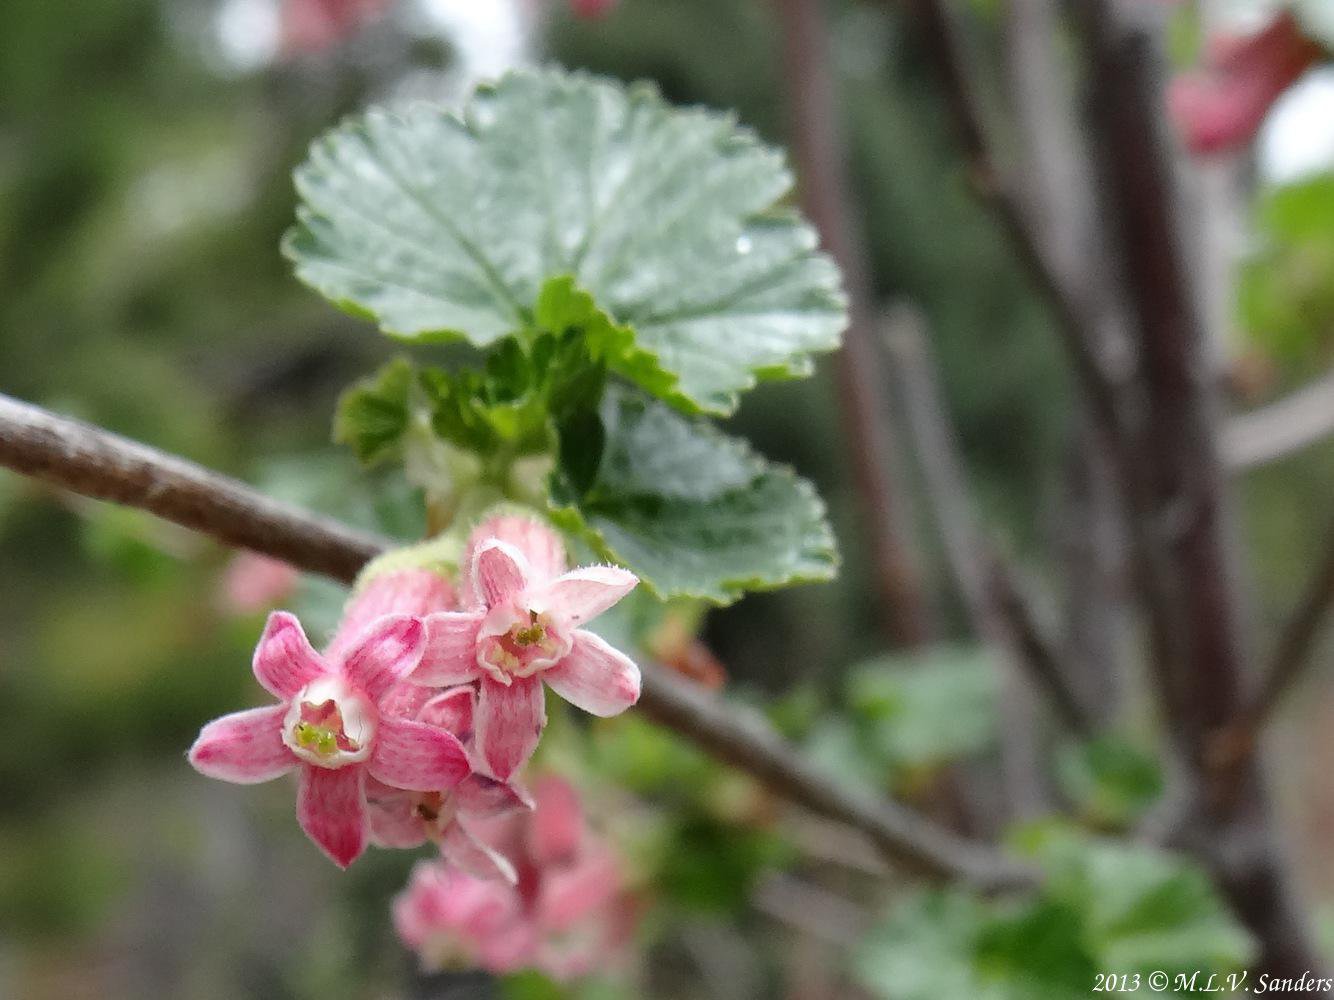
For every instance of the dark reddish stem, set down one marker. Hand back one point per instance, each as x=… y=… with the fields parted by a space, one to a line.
x=871 y=446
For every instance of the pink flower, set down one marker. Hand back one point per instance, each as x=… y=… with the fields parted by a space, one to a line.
x=447 y=916
x=1221 y=107
x=446 y=817
x=253 y=583
x=524 y=629
x=568 y=913
x=330 y=724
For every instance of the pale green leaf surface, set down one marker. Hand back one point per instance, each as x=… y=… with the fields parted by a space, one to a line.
x=439 y=226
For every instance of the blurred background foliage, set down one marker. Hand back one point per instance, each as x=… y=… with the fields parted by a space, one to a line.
x=146 y=148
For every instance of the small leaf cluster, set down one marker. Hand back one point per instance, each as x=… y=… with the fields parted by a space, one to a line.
x=1105 y=907
x=628 y=268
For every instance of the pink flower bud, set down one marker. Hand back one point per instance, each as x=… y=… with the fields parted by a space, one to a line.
x=253 y=583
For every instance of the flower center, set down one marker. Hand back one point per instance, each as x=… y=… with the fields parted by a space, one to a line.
x=518 y=642
x=436 y=810
x=330 y=724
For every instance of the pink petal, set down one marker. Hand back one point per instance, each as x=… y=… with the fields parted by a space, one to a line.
x=471 y=854
x=540 y=545
x=499 y=572
x=387 y=652
x=284 y=661
x=244 y=747
x=573 y=894
x=394 y=821
x=583 y=593
x=450 y=656
x=481 y=797
x=451 y=710
x=418 y=757
x=417 y=592
x=599 y=679
x=405 y=700
x=508 y=723
x=331 y=808
x=556 y=828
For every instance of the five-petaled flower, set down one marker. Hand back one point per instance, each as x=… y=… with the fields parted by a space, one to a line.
x=329 y=725
x=451 y=818
x=522 y=628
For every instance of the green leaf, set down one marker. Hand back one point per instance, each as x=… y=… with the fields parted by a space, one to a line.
x=442 y=227
x=835 y=745
x=924 y=711
x=1105 y=907
x=1286 y=290
x=374 y=414
x=925 y=950
x=1111 y=780
x=1141 y=908
x=526 y=393
x=692 y=511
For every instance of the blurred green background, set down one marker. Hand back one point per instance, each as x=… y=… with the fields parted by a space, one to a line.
x=145 y=157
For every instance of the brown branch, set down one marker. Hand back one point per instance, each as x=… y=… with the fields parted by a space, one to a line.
x=96 y=463
x=1181 y=450
x=1078 y=318
x=1230 y=826
x=996 y=606
x=871 y=447
x=812 y=909
x=1065 y=266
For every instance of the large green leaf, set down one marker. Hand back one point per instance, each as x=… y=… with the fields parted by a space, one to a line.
x=693 y=511
x=442 y=226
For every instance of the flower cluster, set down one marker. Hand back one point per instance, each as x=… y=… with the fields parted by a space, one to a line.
x=567 y=912
x=411 y=725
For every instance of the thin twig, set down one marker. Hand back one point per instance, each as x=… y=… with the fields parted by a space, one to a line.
x=812 y=909
x=1296 y=645
x=1275 y=431
x=1084 y=318
x=96 y=463
x=871 y=446
x=1077 y=321
x=1035 y=649
x=996 y=606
